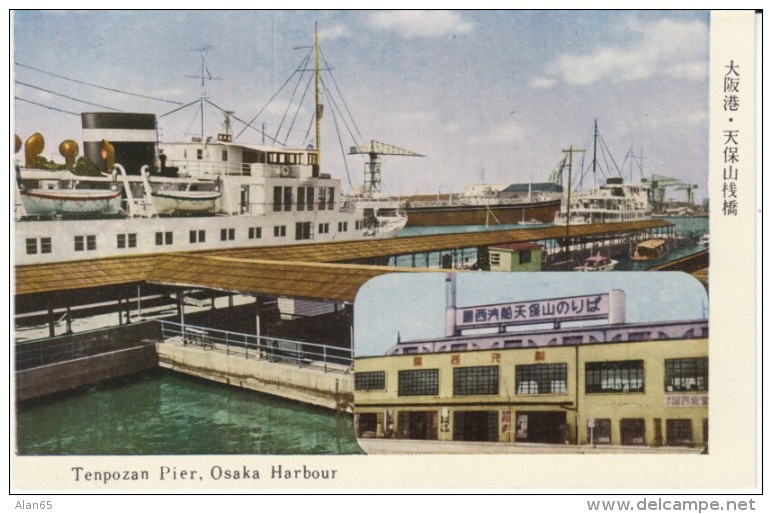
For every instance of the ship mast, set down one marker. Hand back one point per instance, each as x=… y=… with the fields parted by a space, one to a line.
x=319 y=107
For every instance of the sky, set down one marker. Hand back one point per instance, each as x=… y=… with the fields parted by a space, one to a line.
x=486 y=96
x=414 y=304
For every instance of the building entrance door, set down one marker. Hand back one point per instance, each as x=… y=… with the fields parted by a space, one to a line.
x=417 y=425
x=541 y=427
x=476 y=426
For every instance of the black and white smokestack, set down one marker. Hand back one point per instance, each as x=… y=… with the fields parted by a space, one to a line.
x=133 y=135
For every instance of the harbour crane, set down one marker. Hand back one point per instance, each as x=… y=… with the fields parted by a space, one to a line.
x=689 y=193
x=374 y=149
x=657 y=186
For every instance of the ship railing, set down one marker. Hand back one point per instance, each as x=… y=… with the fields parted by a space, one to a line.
x=302 y=354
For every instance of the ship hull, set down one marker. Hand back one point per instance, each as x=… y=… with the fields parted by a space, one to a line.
x=481 y=215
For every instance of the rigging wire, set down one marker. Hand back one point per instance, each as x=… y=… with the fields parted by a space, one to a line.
x=267 y=104
x=335 y=107
x=196 y=101
x=242 y=121
x=342 y=151
x=291 y=100
x=45 y=106
x=97 y=85
x=195 y=116
x=297 y=110
x=343 y=99
x=65 y=96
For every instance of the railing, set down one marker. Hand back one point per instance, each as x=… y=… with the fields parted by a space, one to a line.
x=52 y=350
x=250 y=346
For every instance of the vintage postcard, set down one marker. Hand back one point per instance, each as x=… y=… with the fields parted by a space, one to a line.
x=348 y=250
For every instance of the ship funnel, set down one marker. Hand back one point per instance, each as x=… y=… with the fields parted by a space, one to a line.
x=16 y=143
x=133 y=136
x=32 y=148
x=108 y=154
x=69 y=150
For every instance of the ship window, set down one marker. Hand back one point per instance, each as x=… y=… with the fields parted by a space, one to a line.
x=32 y=246
x=541 y=378
x=371 y=380
x=279 y=231
x=417 y=382
x=199 y=154
x=474 y=380
x=85 y=243
x=45 y=245
x=197 y=236
x=614 y=377
x=525 y=256
x=227 y=234
x=342 y=226
x=310 y=198
x=127 y=241
x=225 y=155
x=287 y=198
x=689 y=374
x=301 y=198
x=303 y=230
x=324 y=228
x=277 y=198
x=255 y=232
x=322 y=198
x=163 y=238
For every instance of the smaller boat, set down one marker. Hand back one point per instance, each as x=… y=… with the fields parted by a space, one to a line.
x=597 y=263
x=186 y=200
x=70 y=202
x=704 y=240
x=650 y=249
x=531 y=221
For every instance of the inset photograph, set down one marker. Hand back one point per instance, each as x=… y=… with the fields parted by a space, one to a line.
x=532 y=363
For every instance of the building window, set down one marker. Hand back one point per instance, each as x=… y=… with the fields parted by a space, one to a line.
x=227 y=234
x=303 y=230
x=90 y=242
x=458 y=347
x=255 y=232
x=632 y=431
x=614 y=377
x=370 y=381
x=601 y=432
x=639 y=336
x=495 y=258
x=525 y=256
x=342 y=226
x=475 y=380
x=679 y=432
x=197 y=236
x=417 y=382
x=686 y=374
x=163 y=238
x=358 y=225
x=45 y=245
x=127 y=241
x=541 y=378
x=324 y=228
x=279 y=231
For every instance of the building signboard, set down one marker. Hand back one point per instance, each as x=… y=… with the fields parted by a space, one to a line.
x=573 y=308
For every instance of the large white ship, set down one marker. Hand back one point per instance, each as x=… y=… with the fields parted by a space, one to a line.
x=208 y=195
x=614 y=202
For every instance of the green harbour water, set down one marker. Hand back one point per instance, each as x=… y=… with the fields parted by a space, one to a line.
x=165 y=413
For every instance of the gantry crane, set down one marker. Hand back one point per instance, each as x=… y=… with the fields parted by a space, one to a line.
x=374 y=149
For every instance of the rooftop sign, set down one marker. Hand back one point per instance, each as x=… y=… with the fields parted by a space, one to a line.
x=572 y=308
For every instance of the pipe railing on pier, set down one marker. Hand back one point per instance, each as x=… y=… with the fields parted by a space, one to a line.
x=53 y=350
x=250 y=346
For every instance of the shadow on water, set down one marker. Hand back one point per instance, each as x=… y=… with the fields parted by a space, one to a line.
x=165 y=413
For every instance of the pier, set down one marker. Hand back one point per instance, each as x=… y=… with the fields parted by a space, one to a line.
x=315 y=280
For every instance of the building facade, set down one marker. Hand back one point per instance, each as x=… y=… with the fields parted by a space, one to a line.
x=617 y=383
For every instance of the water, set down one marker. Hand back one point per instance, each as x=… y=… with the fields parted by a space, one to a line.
x=690 y=228
x=164 y=413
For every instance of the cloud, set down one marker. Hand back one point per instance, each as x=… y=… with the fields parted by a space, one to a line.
x=504 y=134
x=334 y=32
x=416 y=24
x=665 y=48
